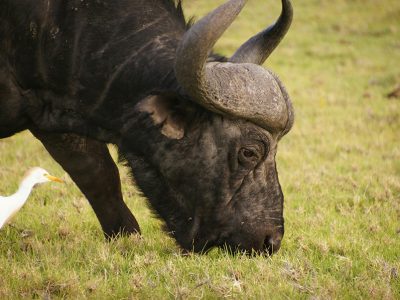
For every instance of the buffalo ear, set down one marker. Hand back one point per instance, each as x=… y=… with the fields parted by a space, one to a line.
x=163 y=110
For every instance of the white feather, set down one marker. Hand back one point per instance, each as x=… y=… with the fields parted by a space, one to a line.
x=10 y=205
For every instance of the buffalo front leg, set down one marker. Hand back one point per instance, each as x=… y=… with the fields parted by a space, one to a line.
x=91 y=167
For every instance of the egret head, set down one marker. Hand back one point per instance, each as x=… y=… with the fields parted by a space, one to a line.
x=39 y=175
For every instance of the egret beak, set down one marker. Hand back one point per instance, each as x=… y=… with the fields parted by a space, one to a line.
x=53 y=178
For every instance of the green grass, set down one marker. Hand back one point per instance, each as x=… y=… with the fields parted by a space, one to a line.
x=339 y=168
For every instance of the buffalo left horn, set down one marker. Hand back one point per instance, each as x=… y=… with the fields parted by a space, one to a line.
x=242 y=90
x=257 y=49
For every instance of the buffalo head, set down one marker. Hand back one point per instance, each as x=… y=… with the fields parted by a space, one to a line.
x=209 y=167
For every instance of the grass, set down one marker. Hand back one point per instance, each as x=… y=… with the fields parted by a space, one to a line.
x=339 y=169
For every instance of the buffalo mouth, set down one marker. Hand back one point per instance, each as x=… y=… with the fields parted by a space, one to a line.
x=252 y=247
x=267 y=247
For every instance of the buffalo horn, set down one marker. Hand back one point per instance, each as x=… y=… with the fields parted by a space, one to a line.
x=242 y=90
x=258 y=48
x=197 y=43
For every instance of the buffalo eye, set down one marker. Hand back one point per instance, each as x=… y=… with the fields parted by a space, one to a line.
x=248 y=156
x=248 y=153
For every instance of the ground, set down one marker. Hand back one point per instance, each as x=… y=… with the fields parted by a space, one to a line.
x=339 y=168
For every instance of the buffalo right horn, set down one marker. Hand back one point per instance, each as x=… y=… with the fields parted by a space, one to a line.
x=258 y=48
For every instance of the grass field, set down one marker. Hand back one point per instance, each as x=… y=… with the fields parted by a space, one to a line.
x=339 y=168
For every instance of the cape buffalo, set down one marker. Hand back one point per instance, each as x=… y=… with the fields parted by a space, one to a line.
x=199 y=131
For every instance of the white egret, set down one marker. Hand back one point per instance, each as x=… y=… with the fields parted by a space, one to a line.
x=10 y=205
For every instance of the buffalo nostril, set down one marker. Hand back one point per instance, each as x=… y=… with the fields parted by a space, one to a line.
x=271 y=244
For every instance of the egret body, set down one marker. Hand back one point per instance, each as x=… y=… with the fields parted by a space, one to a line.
x=10 y=205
